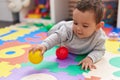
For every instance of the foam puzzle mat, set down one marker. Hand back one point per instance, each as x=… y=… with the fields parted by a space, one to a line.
x=15 y=42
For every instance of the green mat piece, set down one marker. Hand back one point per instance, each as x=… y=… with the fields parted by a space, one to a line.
x=74 y=70
x=49 y=26
x=25 y=26
x=80 y=57
x=38 y=24
x=117 y=73
x=115 y=62
x=50 y=52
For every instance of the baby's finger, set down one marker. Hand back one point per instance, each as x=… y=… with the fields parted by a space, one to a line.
x=90 y=67
x=43 y=50
x=31 y=50
x=34 y=49
x=80 y=63
x=40 y=50
x=93 y=67
x=86 y=66
x=83 y=65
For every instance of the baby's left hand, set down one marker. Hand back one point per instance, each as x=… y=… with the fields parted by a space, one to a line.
x=87 y=63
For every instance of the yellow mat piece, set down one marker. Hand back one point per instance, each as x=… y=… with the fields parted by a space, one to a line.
x=13 y=36
x=112 y=46
x=18 y=49
x=5 y=68
x=4 y=30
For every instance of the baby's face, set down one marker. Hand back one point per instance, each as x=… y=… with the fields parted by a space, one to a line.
x=84 y=24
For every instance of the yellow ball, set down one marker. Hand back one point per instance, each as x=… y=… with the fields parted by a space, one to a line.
x=35 y=57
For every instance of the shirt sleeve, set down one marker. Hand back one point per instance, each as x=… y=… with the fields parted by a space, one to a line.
x=99 y=50
x=56 y=27
x=56 y=37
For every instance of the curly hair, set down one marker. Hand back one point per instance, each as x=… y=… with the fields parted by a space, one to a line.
x=92 y=5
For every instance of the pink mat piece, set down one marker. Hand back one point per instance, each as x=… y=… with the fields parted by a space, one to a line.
x=40 y=37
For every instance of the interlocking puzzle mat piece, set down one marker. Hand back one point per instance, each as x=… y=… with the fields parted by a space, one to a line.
x=61 y=69
x=51 y=56
x=72 y=59
x=93 y=78
x=38 y=37
x=68 y=61
x=63 y=76
x=39 y=76
x=12 y=34
x=115 y=61
x=72 y=70
x=52 y=67
x=18 y=74
x=14 y=52
x=112 y=46
x=5 y=68
x=1 y=42
x=35 y=37
x=106 y=67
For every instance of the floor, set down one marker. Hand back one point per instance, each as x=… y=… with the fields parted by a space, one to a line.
x=5 y=23
x=16 y=40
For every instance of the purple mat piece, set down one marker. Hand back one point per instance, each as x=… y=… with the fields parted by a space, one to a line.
x=64 y=76
x=18 y=74
x=62 y=63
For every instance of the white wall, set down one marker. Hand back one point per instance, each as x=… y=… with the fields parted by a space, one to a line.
x=59 y=10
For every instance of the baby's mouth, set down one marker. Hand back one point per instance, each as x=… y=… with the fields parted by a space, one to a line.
x=79 y=33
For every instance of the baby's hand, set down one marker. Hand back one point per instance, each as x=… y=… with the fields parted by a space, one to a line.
x=39 y=47
x=87 y=63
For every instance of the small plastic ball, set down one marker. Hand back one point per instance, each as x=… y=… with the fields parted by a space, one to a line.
x=62 y=53
x=35 y=57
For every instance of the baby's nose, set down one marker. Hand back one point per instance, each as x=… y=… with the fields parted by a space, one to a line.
x=79 y=29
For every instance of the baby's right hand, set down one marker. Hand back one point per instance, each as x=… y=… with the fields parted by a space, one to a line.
x=39 y=47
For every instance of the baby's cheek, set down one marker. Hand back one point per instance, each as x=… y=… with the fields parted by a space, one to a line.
x=88 y=33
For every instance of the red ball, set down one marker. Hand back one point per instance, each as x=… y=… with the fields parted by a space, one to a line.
x=62 y=53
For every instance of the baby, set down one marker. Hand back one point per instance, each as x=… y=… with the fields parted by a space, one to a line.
x=82 y=35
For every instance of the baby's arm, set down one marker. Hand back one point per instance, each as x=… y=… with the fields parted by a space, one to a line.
x=98 y=51
x=94 y=56
x=56 y=37
x=52 y=40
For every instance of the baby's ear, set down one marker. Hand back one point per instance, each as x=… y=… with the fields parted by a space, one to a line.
x=99 y=25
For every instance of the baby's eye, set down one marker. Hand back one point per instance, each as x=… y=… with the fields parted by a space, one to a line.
x=85 y=26
x=75 y=23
